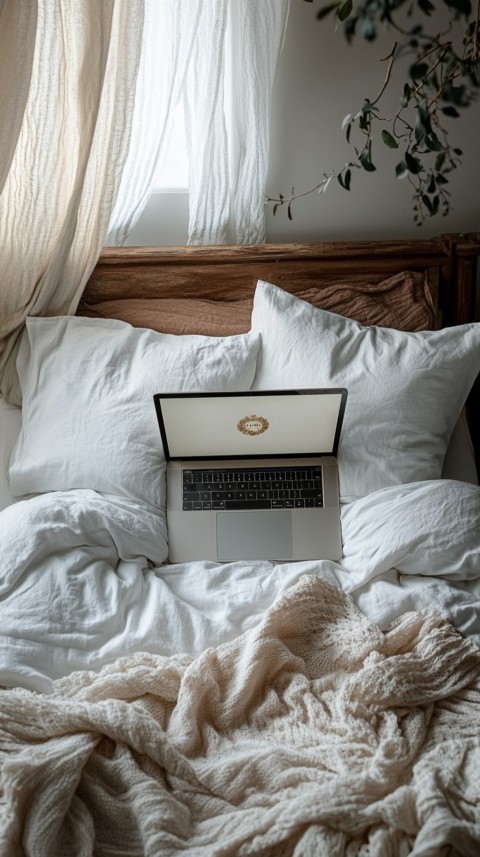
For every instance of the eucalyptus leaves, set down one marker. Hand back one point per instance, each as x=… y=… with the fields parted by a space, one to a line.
x=443 y=78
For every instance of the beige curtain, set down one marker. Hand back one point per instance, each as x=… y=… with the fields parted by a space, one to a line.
x=68 y=70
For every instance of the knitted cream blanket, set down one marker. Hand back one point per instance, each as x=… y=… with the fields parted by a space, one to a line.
x=314 y=735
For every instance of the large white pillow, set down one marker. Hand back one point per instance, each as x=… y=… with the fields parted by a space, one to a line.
x=405 y=390
x=430 y=528
x=88 y=414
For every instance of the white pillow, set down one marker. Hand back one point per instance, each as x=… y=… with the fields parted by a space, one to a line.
x=405 y=390
x=430 y=528
x=88 y=414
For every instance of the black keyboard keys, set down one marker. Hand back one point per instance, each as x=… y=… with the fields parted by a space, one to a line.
x=252 y=488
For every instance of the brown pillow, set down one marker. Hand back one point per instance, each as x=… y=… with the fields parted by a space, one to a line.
x=402 y=301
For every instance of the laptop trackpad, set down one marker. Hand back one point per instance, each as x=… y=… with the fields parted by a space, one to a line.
x=254 y=535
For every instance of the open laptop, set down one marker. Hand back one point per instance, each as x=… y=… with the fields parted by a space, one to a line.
x=252 y=475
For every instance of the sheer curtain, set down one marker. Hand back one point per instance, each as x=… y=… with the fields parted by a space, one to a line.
x=255 y=52
x=171 y=28
x=67 y=85
x=220 y=56
x=87 y=89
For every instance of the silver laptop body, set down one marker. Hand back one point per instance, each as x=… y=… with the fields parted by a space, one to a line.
x=252 y=475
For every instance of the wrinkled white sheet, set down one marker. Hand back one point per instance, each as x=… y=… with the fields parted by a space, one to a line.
x=81 y=582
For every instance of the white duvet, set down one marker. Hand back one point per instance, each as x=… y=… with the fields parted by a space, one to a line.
x=82 y=581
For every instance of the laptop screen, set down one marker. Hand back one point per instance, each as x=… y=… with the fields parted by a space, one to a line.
x=250 y=425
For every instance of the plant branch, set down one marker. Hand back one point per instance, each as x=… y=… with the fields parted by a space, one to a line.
x=391 y=57
x=439 y=84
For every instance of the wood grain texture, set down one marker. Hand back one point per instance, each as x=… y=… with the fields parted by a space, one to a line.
x=230 y=273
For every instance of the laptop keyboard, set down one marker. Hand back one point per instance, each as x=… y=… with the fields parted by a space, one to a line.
x=252 y=488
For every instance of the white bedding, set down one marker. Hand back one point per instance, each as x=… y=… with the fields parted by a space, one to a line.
x=143 y=752
x=83 y=584
x=84 y=579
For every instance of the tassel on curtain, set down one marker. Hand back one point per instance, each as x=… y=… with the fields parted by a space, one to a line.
x=220 y=56
x=67 y=83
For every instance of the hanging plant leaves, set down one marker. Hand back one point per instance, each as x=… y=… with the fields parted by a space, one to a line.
x=407 y=92
x=324 y=185
x=431 y=204
x=426 y=6
x=418 y=71
x=440 y=83
x=451 y=111
x=345 y=10
x=322 y=13
x=347 y=126
x=365 y=159
x=344 y=181
x=433 y=143
x=369 y=30
x=414 y=165
x=423 y=124
x=349 y=28
x=463 y=6
x=389 y=140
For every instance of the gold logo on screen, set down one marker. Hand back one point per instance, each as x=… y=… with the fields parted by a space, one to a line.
x=253 y=425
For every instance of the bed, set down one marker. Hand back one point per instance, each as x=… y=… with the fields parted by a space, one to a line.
x=310 y=708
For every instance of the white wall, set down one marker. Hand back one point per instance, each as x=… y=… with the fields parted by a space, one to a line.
x=320 y=79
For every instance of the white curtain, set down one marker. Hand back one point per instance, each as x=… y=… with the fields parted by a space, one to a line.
x=221 y=57
x=171 y=28
x=261 y=28
x=87 y=89
x=68 y=70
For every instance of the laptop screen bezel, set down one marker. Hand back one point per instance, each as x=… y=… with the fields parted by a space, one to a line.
x=342 y=391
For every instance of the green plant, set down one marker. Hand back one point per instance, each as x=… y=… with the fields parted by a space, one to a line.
x=443 y=78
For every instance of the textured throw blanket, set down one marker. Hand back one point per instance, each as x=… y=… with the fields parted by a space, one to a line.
x=313 y=735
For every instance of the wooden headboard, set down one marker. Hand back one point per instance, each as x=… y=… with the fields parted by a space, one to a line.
x=230 y=273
